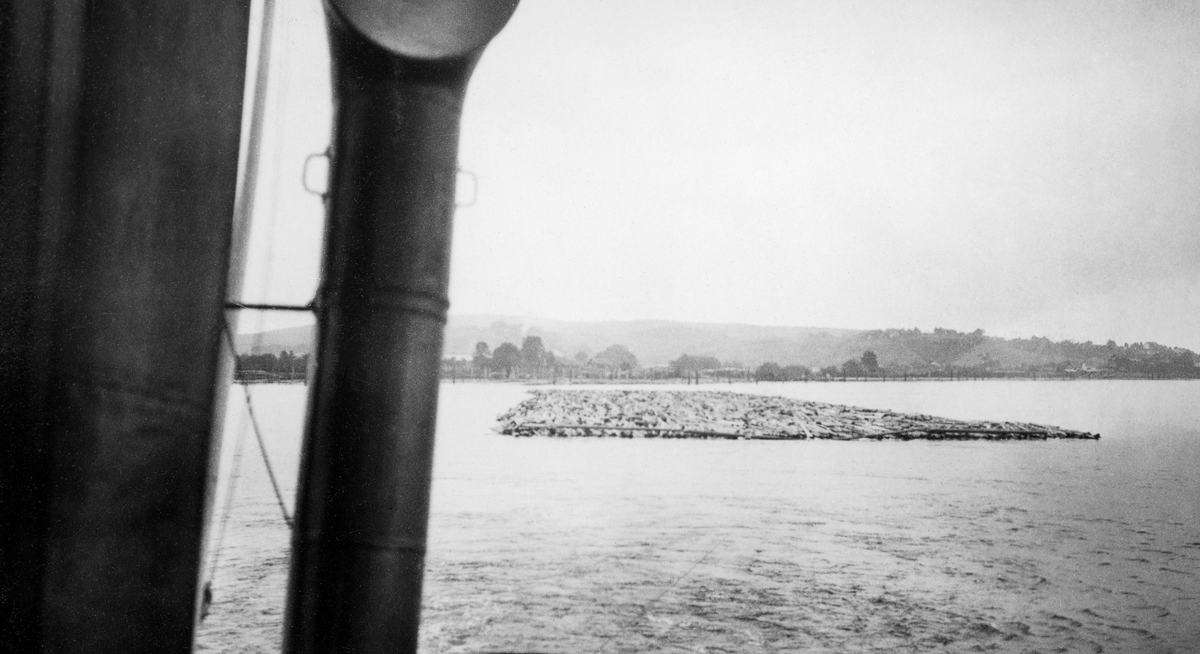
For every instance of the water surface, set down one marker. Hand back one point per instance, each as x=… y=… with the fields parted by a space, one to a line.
x=624 y=545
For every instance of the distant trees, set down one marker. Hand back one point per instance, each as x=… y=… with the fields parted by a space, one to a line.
x=867 y=364
x=458 y=368
x=915 y=350
x=616 y=357
x=1158 y=361
x=506 y=358
x=285 y=365
x=950 y=353
x=910 y=353
x=534 y=356
x=533 y=360
x=483 y=357
x=686 y=364
x=795 y=373
x=532 y=351
x=769 y=371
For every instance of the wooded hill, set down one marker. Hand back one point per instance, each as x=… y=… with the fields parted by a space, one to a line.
x=910 y=350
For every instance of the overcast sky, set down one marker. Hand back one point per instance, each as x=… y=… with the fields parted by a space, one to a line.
x=1023 y=167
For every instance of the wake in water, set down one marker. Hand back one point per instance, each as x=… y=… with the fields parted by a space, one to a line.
x=636 y=545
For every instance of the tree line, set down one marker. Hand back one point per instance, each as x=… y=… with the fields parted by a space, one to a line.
x=533 y=360
x=865 y=366
x=271 y=367
x=946 y=351
x=943 y=353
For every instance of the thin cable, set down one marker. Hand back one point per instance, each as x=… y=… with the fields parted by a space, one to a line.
x=262 y=446
x=238 y=447
x=243 y=212
x=246 y=210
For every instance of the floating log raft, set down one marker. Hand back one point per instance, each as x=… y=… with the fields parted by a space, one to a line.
x=714 y=414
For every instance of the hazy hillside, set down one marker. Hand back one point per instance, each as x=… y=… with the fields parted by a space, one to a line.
x=900 y=350
x=296 y=339
x=656 y=342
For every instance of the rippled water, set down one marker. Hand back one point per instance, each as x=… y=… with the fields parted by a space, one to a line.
x=619 y=545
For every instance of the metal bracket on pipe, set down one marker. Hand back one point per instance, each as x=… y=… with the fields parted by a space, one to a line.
x=304 y=176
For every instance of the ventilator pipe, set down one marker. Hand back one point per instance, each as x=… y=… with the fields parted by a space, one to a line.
x=400 y=70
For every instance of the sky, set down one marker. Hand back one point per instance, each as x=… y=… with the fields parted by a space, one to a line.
x=1024 y=167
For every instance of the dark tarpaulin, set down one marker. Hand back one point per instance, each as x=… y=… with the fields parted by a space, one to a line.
x=118 y=168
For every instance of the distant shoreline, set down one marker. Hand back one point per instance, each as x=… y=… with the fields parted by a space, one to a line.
x=563 y=381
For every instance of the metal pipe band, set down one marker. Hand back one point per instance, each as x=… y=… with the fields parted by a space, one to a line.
x=408 y=302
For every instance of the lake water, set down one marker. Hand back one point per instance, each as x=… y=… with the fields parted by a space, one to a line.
x=633 y=545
